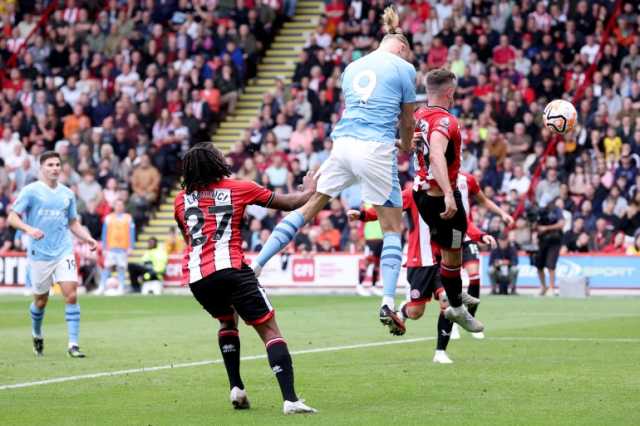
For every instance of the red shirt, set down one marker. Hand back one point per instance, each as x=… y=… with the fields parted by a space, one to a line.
x=436 y=119
x=211 y=221
x=421 y=251
x=502 y=55
x=437 y=56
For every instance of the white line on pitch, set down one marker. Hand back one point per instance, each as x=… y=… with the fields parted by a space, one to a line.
x=206 y=362
x=572 y=339
x=302 y=352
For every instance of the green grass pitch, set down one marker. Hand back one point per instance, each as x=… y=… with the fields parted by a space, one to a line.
x=545 y=362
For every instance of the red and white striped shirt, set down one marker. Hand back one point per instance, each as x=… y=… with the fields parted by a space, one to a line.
x=211 y=220
x=421 y=250
x=468 y=186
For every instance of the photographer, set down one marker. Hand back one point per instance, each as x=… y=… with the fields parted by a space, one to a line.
x=503 y=266
x=548 y=226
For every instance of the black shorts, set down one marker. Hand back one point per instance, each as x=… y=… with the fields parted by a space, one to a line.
x=448 y=234
x=375 y=247
x=470 y=252
x=424 y=283
x=548 y=254
x=233 y=290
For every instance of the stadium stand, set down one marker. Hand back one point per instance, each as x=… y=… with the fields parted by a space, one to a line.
x=112 y=85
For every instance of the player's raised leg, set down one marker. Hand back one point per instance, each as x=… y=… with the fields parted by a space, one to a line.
x=287 y=229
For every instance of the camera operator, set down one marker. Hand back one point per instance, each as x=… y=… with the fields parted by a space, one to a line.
x=549 y=226
x=503 y=266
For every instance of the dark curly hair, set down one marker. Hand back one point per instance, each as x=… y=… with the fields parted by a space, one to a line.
x=202 y=165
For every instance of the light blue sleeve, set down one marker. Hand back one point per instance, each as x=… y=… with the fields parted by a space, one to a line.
x=73 y=210
x=408 y=75
x=23 y=202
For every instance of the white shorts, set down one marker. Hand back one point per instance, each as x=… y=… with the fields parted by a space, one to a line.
x=372 y=164
x=43 y=273
x=117 y=258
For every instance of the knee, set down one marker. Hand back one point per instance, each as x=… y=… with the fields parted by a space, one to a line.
x=40 y=303
x=71 y=298
x=415 y=311
x=228 y=324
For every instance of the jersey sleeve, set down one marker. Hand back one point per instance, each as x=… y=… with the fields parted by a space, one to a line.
x=408 y=75
x=72 y=212
x=369 y=215
x=178 y=212
x=407 y=199
x=473 y=232
x=256 y=194
x=23 y=202
x=474 y=187
x=444 y=126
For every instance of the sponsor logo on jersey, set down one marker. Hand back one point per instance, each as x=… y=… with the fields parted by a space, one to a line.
x=444 y=123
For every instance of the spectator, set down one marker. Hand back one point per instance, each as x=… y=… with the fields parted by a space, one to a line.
x=154 y=262
x=329 y=238
x=548 y=189
x=519 y=182
x=6 y=235
x=634 y=249
x=118 y=239
x=503 y=267
x=550 y=235
x=88 y=189
x=145 y=182
x=277 y=175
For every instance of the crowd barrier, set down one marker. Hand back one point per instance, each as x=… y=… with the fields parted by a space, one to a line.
x=340 y=271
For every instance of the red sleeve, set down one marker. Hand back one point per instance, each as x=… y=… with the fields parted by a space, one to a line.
x=256 y=194
x=473 y=232
x=407 y=199
x=178 y=211
x=472 y=183
x=370 y=214
x=445 y=125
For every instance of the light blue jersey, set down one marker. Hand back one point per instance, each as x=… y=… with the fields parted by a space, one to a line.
x=49 y=210
x=375 y=86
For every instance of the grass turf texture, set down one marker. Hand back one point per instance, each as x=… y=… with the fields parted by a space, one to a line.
x=498 y=381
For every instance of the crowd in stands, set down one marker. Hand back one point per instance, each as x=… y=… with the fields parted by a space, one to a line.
x=511 y=58
x=120 y=88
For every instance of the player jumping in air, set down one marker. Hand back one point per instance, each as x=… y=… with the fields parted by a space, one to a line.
x=468 y=186
x=45 y=210
x=209 y=212
x=423 y=257
x=379 y=91
x=437 y=196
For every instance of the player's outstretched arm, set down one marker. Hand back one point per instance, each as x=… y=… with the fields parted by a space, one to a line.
x=493 y=207
x=15 y=221
x=82 y=233
x=288 y=202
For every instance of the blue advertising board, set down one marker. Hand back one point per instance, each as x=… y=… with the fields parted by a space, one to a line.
x=602 y=271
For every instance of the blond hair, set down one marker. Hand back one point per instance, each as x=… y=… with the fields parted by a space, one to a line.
x=391 y=26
